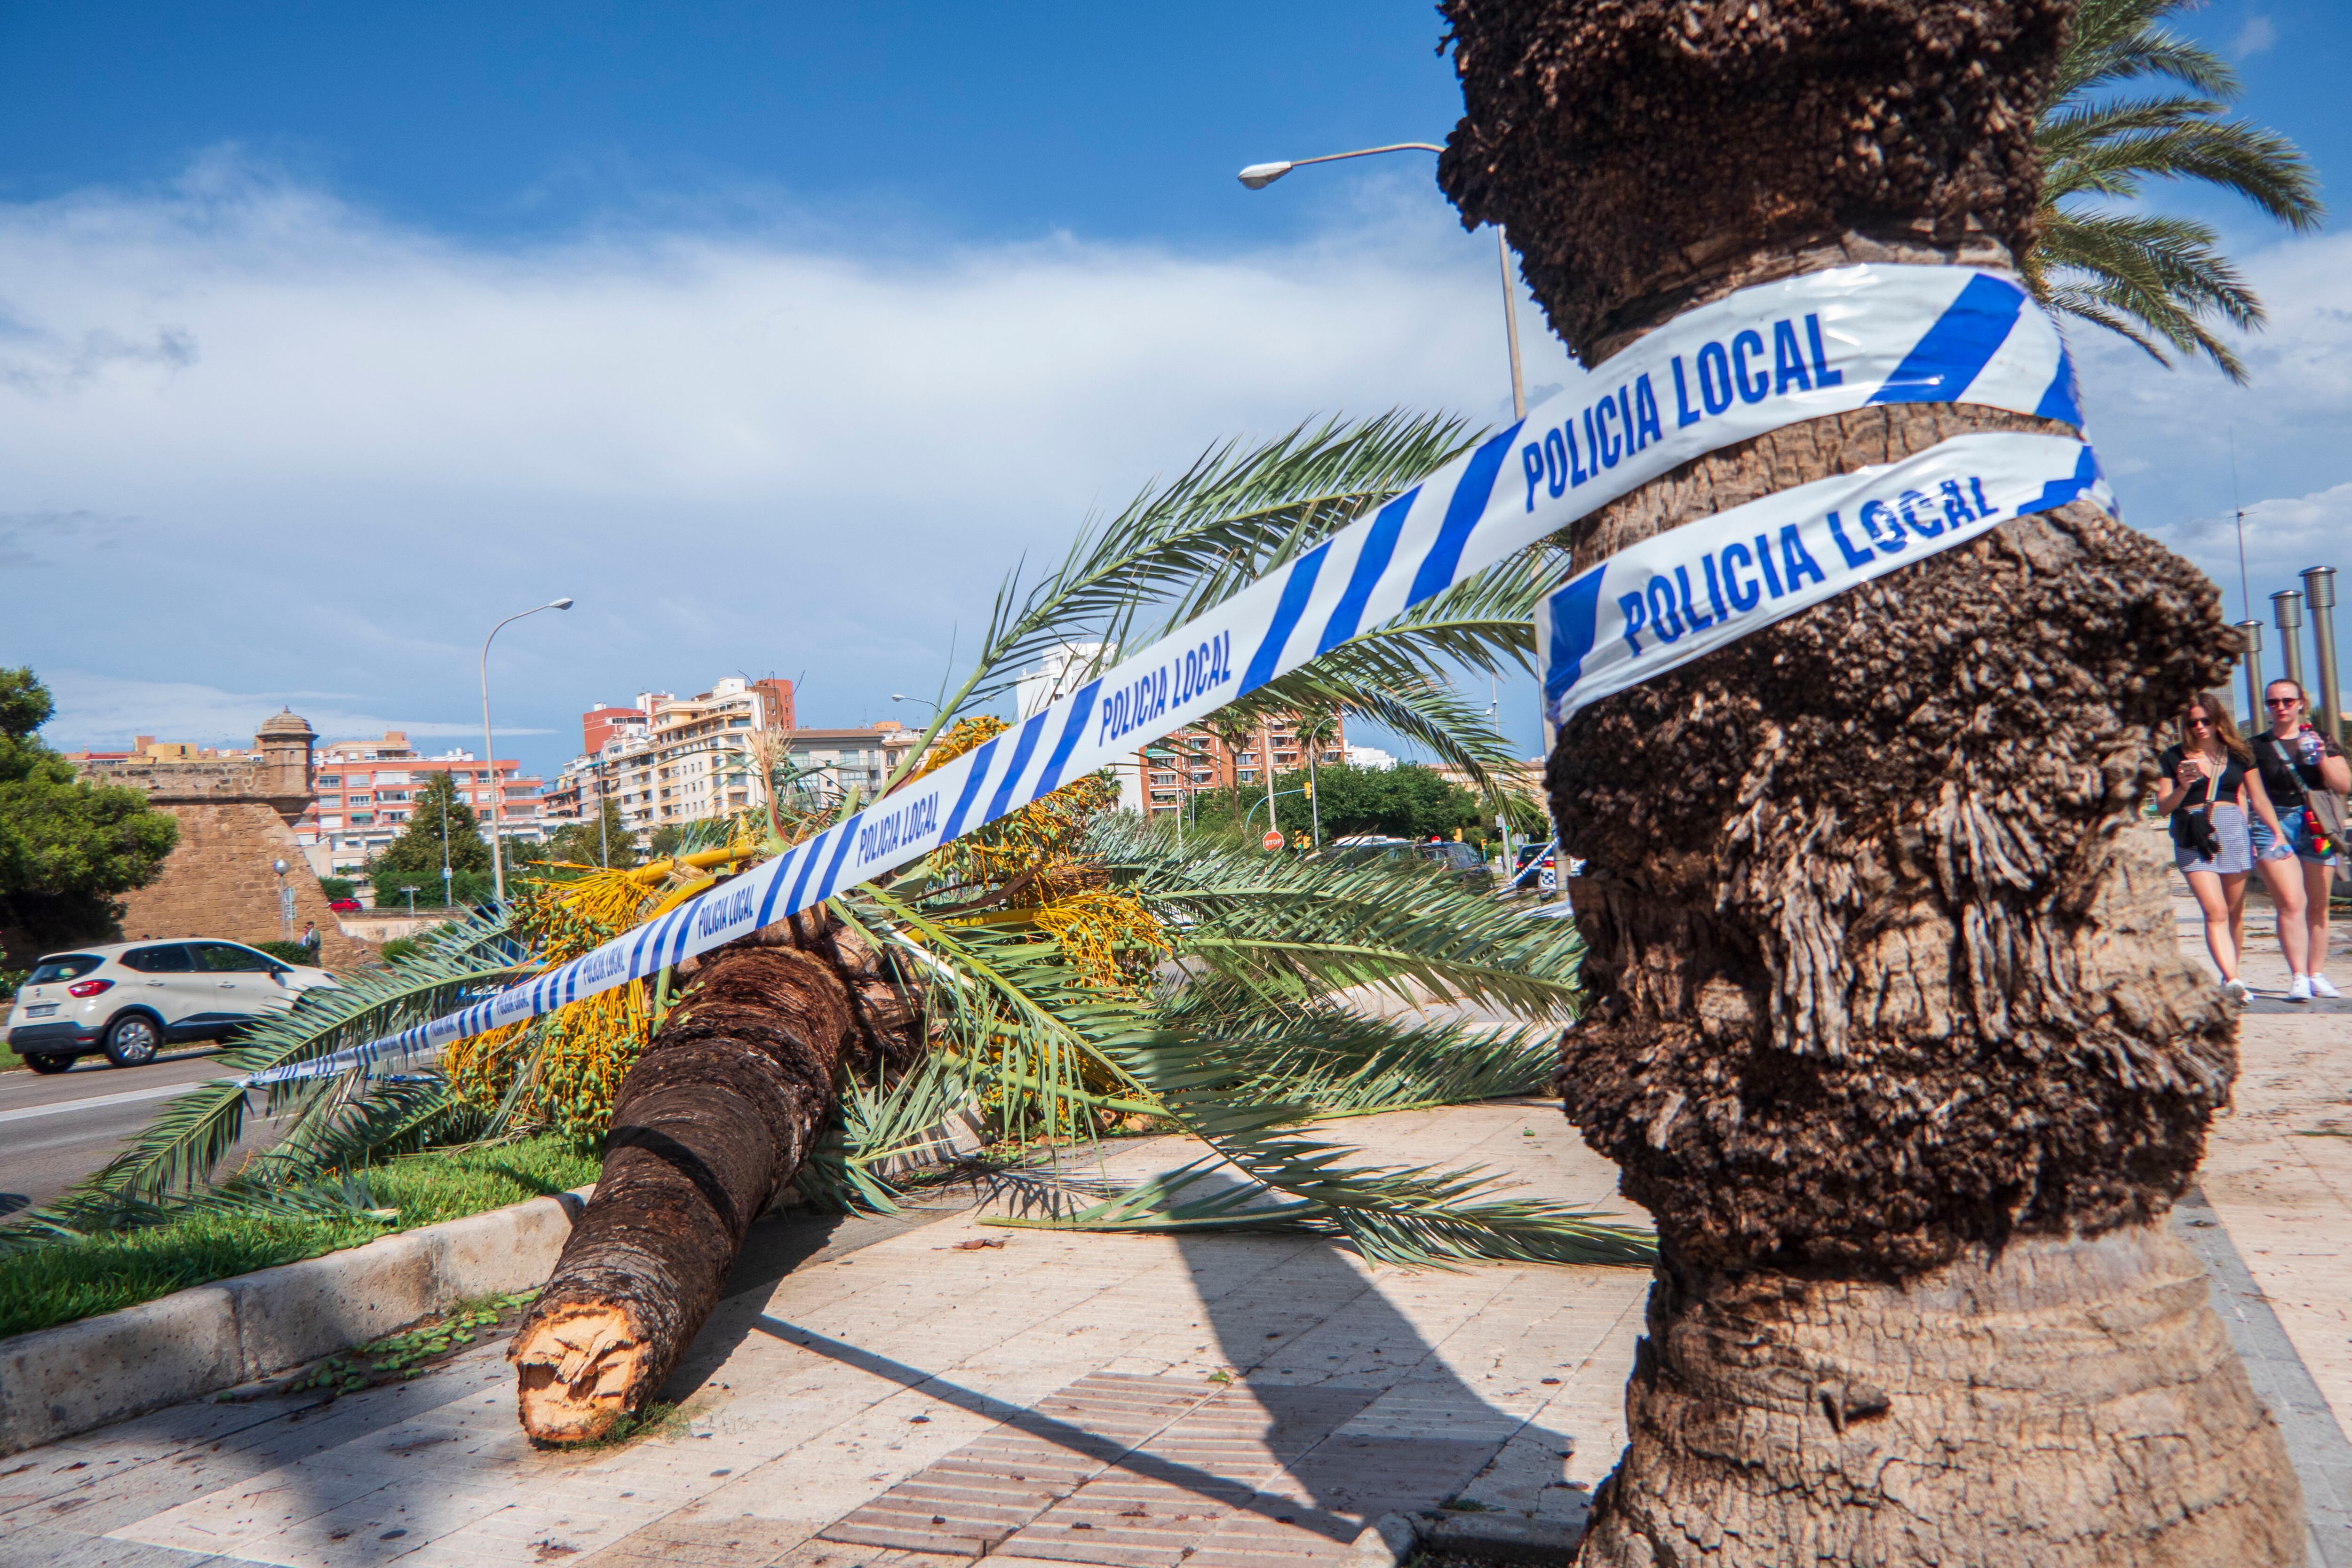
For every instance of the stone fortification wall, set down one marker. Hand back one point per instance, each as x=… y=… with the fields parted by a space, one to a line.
x=217 y=883
x=236 y=817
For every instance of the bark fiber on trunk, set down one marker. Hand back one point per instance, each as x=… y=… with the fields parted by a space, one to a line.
x=1892 y=1033
x=710 y=1127
x=2052 y=1403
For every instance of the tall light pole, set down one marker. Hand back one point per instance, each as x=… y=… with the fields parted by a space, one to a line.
x=1258 y=176
x=489 y=749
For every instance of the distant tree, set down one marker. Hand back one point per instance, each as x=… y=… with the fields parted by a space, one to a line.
x=666 y=840
x=418 y=847
x=588 y=843
x=65 y=848
x=1406 y=803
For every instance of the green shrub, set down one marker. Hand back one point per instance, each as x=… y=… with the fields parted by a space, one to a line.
x=285 y=952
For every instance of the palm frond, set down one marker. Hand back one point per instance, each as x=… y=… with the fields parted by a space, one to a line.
x=1413 y=1217
x=1218 y=526
x=2161 y=282
x=2163 y=276
x=2114 y=41
x=1293 y=929
x=180 y=1146
x=1009 y=993
x=1336 y=1063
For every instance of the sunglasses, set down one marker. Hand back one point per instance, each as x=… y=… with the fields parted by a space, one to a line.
x=2281 y=702
x=2201 y=722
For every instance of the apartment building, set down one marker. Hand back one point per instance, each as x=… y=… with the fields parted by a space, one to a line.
x=669 y=760
x=364 y=789
x=1194 y=759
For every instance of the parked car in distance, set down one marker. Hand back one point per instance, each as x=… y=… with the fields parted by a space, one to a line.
x=1461 y=861
x=130 y=999
x=344 y=905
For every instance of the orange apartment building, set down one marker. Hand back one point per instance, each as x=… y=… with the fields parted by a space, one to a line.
x=1193 y=760
x=364 y=789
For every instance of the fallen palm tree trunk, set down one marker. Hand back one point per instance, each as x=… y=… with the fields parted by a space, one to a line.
x=711 y=1124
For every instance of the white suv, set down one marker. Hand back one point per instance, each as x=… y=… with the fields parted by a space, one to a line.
x=130 y=999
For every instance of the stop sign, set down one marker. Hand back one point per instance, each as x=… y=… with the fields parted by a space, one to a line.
x=1272 y=841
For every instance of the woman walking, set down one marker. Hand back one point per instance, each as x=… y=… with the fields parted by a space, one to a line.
x=2213 y=780
x=2297 y=761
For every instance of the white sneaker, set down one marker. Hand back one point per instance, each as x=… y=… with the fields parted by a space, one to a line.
x=2237 y=991
x=2299 y=988
x=2321 y=989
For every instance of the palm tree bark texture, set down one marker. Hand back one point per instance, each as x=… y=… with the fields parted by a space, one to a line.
x=1892 y=1034
x=708 y=1129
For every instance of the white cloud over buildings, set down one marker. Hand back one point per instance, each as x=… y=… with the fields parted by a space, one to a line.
x=256 y=442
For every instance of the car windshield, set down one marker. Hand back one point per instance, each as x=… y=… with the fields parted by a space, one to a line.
x=228 y=956
x=63 y=967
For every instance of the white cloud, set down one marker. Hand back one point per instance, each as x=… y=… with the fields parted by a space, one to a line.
x=2282 y=535
x=2257 y=35
x=103 y=712
x=256 y=443
x=2186 y=448
x=349 y=446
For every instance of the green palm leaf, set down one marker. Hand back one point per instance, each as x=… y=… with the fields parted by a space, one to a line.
x=2162 y=282
x=188 y=1138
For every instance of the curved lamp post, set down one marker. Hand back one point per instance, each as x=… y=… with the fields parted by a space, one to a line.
x=489 y=750
x=1258 y=176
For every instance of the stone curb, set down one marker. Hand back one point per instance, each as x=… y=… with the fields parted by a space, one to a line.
x=55 y=1383
x=1515 y=1538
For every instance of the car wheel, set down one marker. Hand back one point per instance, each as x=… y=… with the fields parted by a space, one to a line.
x=132 y=1041
x=49 y=1063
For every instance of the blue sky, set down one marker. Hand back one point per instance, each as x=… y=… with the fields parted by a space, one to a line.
x=773 y=335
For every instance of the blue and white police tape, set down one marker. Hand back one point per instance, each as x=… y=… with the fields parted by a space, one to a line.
x=1711 y=582
x=1824 y=343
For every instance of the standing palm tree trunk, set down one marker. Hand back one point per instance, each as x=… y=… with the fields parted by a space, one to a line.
x=1893 y=1037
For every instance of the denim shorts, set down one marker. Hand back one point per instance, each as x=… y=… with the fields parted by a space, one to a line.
x=2300 y=841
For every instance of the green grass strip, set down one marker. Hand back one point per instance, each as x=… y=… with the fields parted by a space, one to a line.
x=59 y=1281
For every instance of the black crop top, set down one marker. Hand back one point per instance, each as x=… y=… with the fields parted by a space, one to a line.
x=2233 y=779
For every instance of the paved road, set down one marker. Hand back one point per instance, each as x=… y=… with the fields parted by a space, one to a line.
x=56 y=1130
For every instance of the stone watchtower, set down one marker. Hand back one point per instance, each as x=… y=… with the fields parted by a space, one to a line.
x=236 y=816
x=281 y=773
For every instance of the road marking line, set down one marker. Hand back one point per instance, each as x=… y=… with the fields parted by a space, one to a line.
x=93 y=1102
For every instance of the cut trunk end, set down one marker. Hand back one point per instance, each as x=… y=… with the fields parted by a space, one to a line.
x=575 y=1371
x=2056 y=1404
x=709 y=1127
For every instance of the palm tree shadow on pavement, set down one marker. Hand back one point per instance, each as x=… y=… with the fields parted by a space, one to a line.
x=1377 y=1419
x=1340 y=1410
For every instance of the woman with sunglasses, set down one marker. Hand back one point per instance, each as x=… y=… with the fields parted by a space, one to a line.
x=2214 y=777
x=2296 y=759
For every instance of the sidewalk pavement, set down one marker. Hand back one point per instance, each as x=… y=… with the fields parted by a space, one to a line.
x=875 y=1395
x=870 y=1391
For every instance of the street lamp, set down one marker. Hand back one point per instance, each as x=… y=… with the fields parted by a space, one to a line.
x=491 y=750
x=1258 y=176
x=284 y=904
